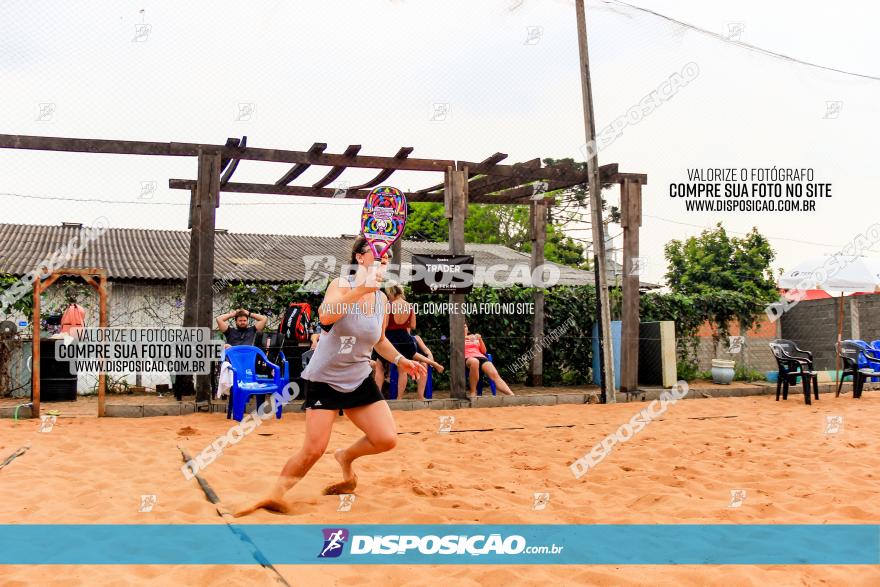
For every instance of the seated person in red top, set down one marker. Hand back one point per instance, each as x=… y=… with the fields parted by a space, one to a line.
x=401 y=320
x=476 y=361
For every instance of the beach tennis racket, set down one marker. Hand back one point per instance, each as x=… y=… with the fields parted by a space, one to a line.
x=383 y=219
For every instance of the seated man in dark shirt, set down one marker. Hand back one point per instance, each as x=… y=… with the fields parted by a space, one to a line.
x=242 y=334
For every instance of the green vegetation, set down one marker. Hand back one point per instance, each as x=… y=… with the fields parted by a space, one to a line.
x=713 y=278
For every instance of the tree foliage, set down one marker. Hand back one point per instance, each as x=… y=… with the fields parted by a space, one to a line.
x=714 y=278
x=714 y=262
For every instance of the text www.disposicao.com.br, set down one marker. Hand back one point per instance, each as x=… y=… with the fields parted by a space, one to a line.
x=750 y=205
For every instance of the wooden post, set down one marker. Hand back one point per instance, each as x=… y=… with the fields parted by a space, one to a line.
x=455 y=196
x=35 y=352
x=607 y=359
x=102 y=321
x=208 y=198
x=538 y=234
x=183 y=384
x=631 y=220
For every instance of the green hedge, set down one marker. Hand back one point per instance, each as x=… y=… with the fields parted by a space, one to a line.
x=508 y=337
x=566 y=361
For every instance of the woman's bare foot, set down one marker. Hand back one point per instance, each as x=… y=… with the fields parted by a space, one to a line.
x=349 y=479
x=270 y=504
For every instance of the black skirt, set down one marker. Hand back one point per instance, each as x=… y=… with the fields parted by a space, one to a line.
x=320 y=396
x=403 y=341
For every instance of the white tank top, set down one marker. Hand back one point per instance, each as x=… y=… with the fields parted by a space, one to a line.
x=342 y=357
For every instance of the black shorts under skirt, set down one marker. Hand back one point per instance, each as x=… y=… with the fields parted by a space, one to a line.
x=320 y=396
x=482 y=361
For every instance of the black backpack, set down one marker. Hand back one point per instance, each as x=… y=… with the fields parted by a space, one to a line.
x=295 y=324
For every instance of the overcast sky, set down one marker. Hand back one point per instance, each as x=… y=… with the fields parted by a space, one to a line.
x=370 y=73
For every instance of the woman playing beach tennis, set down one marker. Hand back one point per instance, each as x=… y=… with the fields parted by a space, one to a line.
x=339 y=378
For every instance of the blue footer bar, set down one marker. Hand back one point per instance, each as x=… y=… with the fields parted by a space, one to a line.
x=676 y=544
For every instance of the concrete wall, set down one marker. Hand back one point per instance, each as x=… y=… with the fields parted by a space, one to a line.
x=813 y=324
x=755 y=353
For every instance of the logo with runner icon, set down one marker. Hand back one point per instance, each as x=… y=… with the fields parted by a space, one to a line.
x=334 y=541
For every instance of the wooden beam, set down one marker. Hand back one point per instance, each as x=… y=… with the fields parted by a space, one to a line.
x=193 y=149
x=489 y=184
x=456 y=209
x=233 y=165
x=640 y=178
x=311 y=157
x=100 y=146
x=521 y=194
x=631 y=220
x=403 y=153
x=314 y=156
x=524 y=193
x=298 y=190
x=559 y=172
x=490 y=160
x=337 y=170
x=538 y=235
x=231 y=143
x=300 y=168
x=45 y=283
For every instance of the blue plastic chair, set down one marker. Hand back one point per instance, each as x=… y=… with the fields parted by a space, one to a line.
x=480 y=380
x=875 y=346
x=392 y=383
x=246 y=383
x=864 y=362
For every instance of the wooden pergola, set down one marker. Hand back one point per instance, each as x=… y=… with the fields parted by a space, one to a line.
x=97 y=279
x=485 y=182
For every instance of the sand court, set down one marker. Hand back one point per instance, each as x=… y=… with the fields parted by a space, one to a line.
x=680 y=469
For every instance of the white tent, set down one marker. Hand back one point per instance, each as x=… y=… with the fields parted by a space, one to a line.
x=837 y=275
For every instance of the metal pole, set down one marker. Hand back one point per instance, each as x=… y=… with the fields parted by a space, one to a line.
x=604 y=309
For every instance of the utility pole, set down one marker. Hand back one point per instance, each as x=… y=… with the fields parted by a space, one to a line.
x=605 y=348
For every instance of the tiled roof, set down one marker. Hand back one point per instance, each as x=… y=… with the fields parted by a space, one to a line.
x=143 y=254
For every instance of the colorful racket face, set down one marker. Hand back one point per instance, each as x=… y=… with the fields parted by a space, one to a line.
x=383 y=218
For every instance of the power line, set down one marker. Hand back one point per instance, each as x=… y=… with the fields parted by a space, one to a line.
x=747 y=46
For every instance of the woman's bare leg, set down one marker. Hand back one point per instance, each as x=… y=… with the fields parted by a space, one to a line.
x=319 y=424
x=434 y=364
x=490 y=370
x=379 y=374
x=402 y=380
x=420 y=386
x=380 y=435
x=473 y=369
